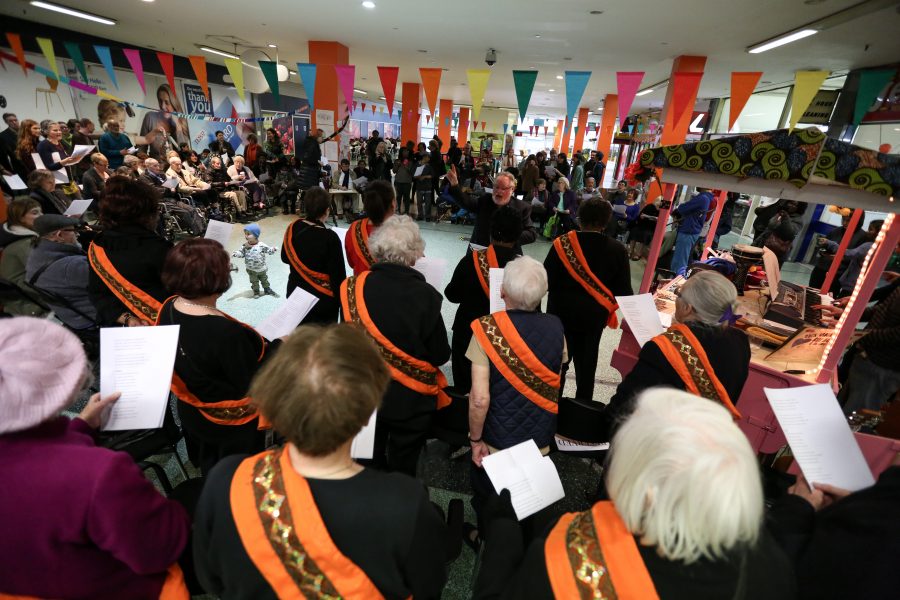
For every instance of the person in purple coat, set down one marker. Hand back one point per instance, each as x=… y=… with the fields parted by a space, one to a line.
x=78 y=521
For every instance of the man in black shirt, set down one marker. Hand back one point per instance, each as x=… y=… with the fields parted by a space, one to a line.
x=220 y=146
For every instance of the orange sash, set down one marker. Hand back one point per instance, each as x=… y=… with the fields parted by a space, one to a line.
x=321 y=282
x=569 y=251
x=141 y=304
x=508 y=352
x=225 y=412
x=283 y=533
x=358 y=241
x=485 y=260
x=684 y=352
x=593 y=555
x=415 y=374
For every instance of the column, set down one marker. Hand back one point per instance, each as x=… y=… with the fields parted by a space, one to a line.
x=324 y=55
x=582 y=128
x=445 y=116
x=557 y=135
x=409 y=120
x=462 y=133
x=607 y=125
x=566 y=137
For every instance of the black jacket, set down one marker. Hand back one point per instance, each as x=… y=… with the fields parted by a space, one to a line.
x=484 y=208
x=93 y=183
x=221 y=148
x=320 y=250
x=465 y=289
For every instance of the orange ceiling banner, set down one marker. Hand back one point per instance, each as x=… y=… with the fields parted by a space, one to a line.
x=199 y=65
x=388 y=76
x=15 y=42
x=684 y=92
x=742 y=85
x=431 y=81
x=806 y=86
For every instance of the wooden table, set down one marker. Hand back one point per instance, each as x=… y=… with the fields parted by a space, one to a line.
x=355 y=203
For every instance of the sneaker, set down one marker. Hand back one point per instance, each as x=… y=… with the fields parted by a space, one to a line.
x=271 y=292
x=256 y=295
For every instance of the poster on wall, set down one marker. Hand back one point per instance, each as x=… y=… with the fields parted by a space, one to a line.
x=886 y=108
x=228 y=107
x=325 y=121
x=196 y=102
x=299 y=130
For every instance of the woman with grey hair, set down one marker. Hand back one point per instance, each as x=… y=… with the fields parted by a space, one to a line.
x=684 y=519
x=412 y=340
x=701 y=353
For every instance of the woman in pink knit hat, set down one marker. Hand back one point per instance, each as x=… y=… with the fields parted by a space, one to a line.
x=79 y=521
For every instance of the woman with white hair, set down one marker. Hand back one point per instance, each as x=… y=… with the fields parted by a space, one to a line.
x=402 y=313
x=565 y=206
x=684 y=519
x=701 y=353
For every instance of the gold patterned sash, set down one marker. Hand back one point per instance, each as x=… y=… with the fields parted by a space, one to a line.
x=141 y=304
x=569 y=251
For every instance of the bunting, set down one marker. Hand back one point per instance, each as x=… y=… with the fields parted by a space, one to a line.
x=806 y=85
x=199 y=65
x=576 y=82
x=15 y=42
x=482 y=125
x=106 y=59
x=684 y=91
x=431 y=81
x=134 y=59
x=505 y=128
x=478 y=81
x=74 y=52
x=427 y=119
x=546 y=128
x=346 y=74
x=870 y=84
x=388 y=77
x=627 y=85
x=166 y=61
x=46 y=46
x=236 y=70
x=363 y=105
x=742 y=85
x=269 y=70
x=307 y=73
x=373 y=109
x=524 y=82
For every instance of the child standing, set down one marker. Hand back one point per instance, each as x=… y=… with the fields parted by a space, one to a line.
x=254 y=254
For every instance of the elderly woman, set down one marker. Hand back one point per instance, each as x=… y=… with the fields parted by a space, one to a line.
x=700 y=353
x=126 y=258
x=354 y=532
x=683 y=519
x=241 y=174
x=90 y=525
x=94 y=179
x=217 y=356
x=52 y=151
x=190 y=184
x=379 y=204
x=315 y=256
x=224 y=185
x=17 y=238
x=413 y=339
x=42 y=188
x=565 y=206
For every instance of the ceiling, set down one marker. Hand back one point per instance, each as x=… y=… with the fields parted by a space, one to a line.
x=629 y=35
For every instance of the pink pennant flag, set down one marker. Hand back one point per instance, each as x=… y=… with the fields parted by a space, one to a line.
x=134 y=59
x=345 y=75
x=363 y=106
x=627 y=84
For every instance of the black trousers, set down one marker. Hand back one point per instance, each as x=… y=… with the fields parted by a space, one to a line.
x=462 y=366
x=401 y=429
x=583 y=347
x=404 y=197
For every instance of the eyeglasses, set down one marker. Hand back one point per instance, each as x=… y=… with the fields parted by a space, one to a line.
x=502 y=189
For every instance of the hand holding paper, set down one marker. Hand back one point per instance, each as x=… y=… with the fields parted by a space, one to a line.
x=642 y=317
x=531 y=478
x=496 y=282
x=287 y=317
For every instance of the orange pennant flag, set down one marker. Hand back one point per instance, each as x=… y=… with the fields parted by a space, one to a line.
x=742 y=85
x=199 y=64
x=431 y=81
x=15 y=42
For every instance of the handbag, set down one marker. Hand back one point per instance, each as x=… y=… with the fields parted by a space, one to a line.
x=550 y=227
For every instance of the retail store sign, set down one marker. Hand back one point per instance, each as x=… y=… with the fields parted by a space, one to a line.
x=699 y=121
x=820 y=109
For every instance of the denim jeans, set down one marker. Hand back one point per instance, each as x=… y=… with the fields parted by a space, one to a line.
x=868 y=385
x=681 y=256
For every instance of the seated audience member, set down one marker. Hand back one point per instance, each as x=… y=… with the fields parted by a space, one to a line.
x=242 y=175
x=135 y=165
x=190 y=184
x=94 y=179
x=617 y=196
x=352 y=532
x=287 y=186
x=701 y=352
x=79 y=521
x=842 y=545
x=126 y=258
x=484 y=206
x=470 y=288
x=188 y=216
x=501 y=413
x=589 y=191
x=217 y=356
x=17 y=238
x=684 y=519
x=224 y=185
x=402 y=313
x=114 y=144
x=42 y=187
x=379 y=205
x=196 y=165
x=564 y=203
x=315 y=256
x=540 y=203
x=220 y=146
x=58 y=265
x=586 y=270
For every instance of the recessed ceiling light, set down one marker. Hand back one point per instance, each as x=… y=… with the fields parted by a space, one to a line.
x=567 y=58
x=559 y=76
x=364 y=93
x=782 y=40
x=423 y=51
x=73 y=13
x=148 y=0
x=382 y=98
x=273 y=45
x=368 y=4
x=551 y=90
x=596 y=12
x=219 y=52
x=537 y=35
x=645 y=92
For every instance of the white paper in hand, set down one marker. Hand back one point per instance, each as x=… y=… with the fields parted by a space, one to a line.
x=363 y=445
x=219 y=231
x=137 y=361
x=820 y=436
x=641 y=316
x=77 y=208
x=495 y=278
x=15 y=182
x=171 y=183
x=531 y=478
x=433 y=269
x=79 y=151
x=287 y=317
x=342 y=234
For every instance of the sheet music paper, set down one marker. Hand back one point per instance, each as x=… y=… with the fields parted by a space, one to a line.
x=434 y=270
x=171 y=183
x=137 y=361
x=773 y=272
x=531 y=478
x=419 y=170
x=475 y=247
x=342 y=234
x=59 y=175
x=219 y=231
x=495 y=280
x=820 y=436
x=77 y=208
x=566 y=445
x=80 y=151
x=642 y=317
x=285 y=319
x=133 y=150
x=15 y=182
x=363 y=445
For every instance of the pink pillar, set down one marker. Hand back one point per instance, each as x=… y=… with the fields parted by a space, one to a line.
x=845 y=241
x=714 y=224
x=857 y=305
x=658 y=234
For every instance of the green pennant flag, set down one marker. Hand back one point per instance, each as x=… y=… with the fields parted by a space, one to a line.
x=870 y=83
x=269 y=69
x=74 y=51
x=524 y=81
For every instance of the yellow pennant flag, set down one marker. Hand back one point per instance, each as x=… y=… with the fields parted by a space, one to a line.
x=47 y=48
x=109 y=96
x=236 y=70
x=478 y=81
x=806 y=86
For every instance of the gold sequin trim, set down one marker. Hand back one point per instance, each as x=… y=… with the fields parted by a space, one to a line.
x=705 y=386
x=275 y=513
x=483 y=265
x=581 y=269
x=361 y=241
x=586 y=559
x=514 y=362
x=114 y=283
